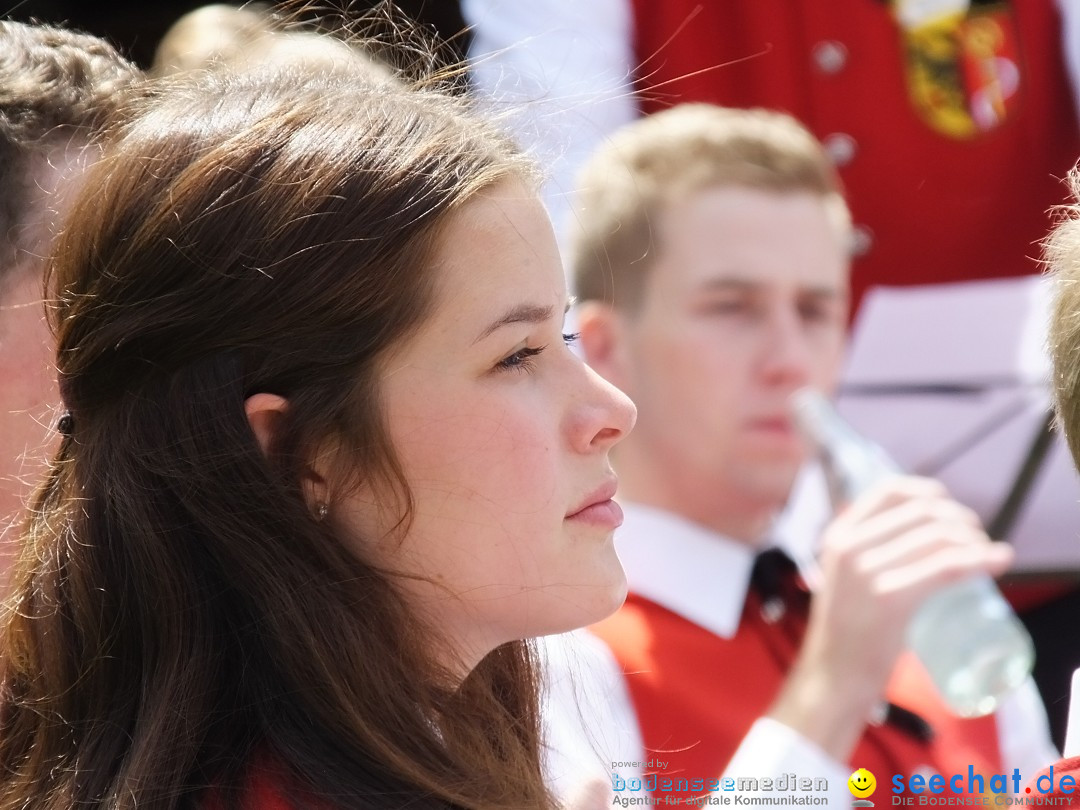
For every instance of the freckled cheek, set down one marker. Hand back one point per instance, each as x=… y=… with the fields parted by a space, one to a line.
x=493 y=462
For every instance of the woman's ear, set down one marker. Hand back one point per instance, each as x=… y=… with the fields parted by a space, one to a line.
x=264 y=414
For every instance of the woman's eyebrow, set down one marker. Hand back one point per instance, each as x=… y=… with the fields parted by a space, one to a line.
x=523 y=313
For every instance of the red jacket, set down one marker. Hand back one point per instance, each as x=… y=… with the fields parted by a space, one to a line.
x=934 y=206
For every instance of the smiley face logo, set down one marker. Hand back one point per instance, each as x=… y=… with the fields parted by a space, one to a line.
x=862 y=783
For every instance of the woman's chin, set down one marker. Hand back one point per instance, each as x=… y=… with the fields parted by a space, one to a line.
x=603 y=600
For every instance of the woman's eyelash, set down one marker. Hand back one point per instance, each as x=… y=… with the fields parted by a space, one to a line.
x=521 y=360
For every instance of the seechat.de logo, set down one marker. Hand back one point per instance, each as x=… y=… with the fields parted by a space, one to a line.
x=862 y=785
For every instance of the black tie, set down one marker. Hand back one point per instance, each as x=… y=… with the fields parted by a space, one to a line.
x=773 y=577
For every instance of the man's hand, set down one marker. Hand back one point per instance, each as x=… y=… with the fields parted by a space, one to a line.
x=880 y=559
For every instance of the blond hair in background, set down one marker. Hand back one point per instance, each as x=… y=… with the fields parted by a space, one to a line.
x=668 y=156
x=241 y=38
x=1062 y=250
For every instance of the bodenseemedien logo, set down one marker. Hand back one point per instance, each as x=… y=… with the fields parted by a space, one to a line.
x=862 y=785
x=784 y=790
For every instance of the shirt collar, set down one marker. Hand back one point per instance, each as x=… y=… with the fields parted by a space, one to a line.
x=702 y=575
x=688 y=569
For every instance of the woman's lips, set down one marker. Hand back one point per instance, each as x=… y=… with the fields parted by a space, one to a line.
x=606 y=514
x=598 y=508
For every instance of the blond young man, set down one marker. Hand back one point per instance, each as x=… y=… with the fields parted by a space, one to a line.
x=712 y=265
x=57 y=91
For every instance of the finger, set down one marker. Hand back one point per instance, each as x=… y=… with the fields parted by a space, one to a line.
x=903 y=517
x=950 y=565
x=888 y=494
x=919 y=542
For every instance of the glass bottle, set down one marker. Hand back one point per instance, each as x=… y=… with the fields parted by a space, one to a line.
x=966 y=635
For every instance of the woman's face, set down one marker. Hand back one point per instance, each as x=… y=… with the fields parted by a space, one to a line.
x=503 y=434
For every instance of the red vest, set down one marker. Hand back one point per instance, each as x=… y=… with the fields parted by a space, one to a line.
x=937 y=208
x=696 y=696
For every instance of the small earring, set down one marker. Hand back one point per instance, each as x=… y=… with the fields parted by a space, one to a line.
x=322 y=510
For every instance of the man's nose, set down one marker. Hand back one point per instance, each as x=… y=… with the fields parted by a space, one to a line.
x=786 y=353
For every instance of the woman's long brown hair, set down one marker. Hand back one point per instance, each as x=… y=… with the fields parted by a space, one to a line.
x=180 y=612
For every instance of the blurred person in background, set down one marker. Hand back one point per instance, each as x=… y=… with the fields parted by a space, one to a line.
x=58 y=89
x=1063 y=260
x=137 y=28
x=220 y=35
x=950 y=123
x=711 y=266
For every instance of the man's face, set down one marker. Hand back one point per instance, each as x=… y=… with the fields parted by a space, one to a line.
x=745 y=303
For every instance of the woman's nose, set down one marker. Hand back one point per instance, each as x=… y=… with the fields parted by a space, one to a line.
x=604 y=416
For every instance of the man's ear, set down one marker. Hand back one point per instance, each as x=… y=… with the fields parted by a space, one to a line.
x=265 y=413
x=602 y=338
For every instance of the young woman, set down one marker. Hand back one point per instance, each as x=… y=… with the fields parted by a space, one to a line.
x=327 y=461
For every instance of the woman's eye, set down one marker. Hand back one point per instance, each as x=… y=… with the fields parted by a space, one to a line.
x=521 y=360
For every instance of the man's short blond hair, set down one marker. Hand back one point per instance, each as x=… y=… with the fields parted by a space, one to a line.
x=1062 y=249
x=671 y=155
